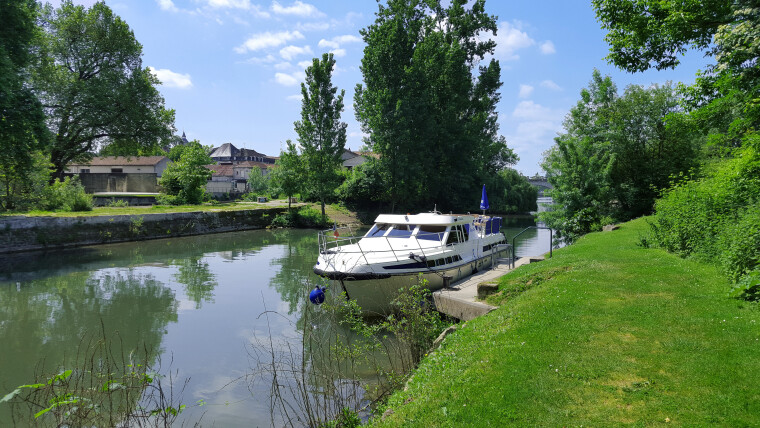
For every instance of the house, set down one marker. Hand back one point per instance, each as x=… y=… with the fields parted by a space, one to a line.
x=227 y=153
x=351 y=159
x=124 y=174
x=121 y=165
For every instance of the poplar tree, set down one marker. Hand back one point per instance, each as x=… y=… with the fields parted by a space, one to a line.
x=321 y=134
x=428 y=103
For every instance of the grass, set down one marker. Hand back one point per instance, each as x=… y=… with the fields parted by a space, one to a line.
x=606 y=333
x=156 y=209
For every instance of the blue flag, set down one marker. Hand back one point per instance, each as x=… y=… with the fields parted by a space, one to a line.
x=484 y=199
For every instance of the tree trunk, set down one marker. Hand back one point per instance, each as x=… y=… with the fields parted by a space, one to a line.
x=324 y=218
x=289 y=199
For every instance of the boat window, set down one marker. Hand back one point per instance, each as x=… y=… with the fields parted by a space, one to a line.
x=454 y=235
x=378 y=229
x=430 y=232
x=465 y=232
x=448 y=260
x=401 y=230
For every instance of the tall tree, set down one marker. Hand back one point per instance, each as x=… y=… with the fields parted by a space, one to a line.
x=93 y=86
x=287 y=173
x=428 y=105
x=186 y=179
x=22 y=122
x=321 y=134
x=616 y=154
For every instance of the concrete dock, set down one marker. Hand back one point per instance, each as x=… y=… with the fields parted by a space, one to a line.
x=460 y=300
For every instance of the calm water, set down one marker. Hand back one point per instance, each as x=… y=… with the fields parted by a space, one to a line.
x=197 y=302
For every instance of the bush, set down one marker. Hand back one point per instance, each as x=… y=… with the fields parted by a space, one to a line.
x=66 y=195
x=716 y=217
x=164 y=199
x=306 y=217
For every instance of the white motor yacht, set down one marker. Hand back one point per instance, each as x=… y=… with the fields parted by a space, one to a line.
x=400 y=249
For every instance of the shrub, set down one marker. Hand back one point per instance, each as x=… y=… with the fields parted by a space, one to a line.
x=66 y=195
x=716 y=217
x=306 y=217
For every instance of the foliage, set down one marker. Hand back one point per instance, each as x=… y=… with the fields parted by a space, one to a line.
x=22 y=122
x=716 y=216
x=67 y=195
x=258 y=182
x=648 y=33
x=616 y=154
x=605 y=333
x=100 y=389
x=25 y=190
x=285 y=177
x=510 y=193
x=93 y=86
x=365 y=185
x=321 y=134
x=429 y=105
x=305 y=217
x=185 y=181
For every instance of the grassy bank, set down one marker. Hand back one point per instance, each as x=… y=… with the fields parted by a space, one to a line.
x=605 y=333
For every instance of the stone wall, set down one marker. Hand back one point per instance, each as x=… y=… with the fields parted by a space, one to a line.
x=19 y=233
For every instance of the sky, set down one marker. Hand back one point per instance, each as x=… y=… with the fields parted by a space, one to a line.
x=232 y=69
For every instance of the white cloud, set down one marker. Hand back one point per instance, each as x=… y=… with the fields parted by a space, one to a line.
x=304 y=64
x=268 y=40
x=548 y=84
x=171 y=79
x=295 y=97
x=547 y=48
x=290 y=52
x=313 y=26
x=167 y=5
x=285 y=79
x=298 y=8
x=509 y=39
x=338 y=52
x=262 y=60
x=525 y=91
x=229 y=4
x=529 y=110
x=291 y=79
x=347 y=38
x=328 y=44
x=283 y=66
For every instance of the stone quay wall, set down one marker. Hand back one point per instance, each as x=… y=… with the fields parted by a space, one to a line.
x=20 y=233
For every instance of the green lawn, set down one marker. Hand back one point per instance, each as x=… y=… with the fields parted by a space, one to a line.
x=606 y=333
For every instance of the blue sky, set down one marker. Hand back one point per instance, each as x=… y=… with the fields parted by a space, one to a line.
x=232 y=68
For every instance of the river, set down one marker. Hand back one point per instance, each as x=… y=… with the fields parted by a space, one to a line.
x=196 y=303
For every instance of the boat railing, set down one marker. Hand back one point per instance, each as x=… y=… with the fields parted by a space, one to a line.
x=330 y=242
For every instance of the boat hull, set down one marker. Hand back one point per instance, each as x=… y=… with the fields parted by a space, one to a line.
x=375 y=294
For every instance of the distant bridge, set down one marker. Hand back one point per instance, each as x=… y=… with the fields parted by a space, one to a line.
x=541 y=183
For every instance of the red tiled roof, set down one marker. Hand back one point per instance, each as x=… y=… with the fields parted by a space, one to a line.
x=251 y=164
x=220 y=170
x=122 y=160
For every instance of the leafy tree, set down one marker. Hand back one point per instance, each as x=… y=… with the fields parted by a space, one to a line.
x=510 y=192
x=433 y=123
x=257 y=181
x=93 y=86
x=22 y=121
x=321 y=134
x=653 y=33
x=616 y=155
x=285 y=177
x=186 y=179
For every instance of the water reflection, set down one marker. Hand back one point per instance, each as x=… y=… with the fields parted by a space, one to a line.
x=195 y=301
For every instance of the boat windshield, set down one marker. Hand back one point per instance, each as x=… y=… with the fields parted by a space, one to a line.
x=431 y=232
x=401 y=230
x=378 y=229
